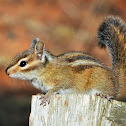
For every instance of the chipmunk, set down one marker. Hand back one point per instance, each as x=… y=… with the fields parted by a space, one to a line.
x=75 y=72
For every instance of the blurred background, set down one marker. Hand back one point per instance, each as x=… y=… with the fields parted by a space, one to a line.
x=63 y=26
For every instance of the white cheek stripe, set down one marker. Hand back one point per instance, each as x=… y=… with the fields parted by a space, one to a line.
x=29 y=65
x=25 y=67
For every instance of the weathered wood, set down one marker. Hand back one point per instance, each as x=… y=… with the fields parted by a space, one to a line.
x=77 y=110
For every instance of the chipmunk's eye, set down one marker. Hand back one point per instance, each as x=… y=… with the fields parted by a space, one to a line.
x=23 y=63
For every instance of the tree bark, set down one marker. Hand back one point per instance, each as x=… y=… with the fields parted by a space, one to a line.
x=77 y=110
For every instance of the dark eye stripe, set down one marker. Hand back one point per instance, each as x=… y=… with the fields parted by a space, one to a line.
x=20 y=56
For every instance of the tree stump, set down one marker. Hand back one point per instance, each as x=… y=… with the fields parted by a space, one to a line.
x=77 y=110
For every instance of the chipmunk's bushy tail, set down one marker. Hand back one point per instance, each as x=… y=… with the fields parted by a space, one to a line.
x=112 y=33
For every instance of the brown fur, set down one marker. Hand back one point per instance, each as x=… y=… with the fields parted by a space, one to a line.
x=81 y=78
x=60 y=74
x=75 y=70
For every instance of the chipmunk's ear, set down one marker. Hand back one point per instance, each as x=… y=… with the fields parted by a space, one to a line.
x=39 y=50
x=33 y=42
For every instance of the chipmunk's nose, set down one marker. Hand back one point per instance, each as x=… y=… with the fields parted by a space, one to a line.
x=6 y=71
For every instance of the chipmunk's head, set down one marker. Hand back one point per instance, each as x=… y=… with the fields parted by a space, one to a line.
x=27 y=64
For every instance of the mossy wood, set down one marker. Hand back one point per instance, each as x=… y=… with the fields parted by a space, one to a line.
x=77 y=110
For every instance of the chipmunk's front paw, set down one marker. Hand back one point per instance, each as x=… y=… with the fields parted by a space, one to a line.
x=44 y=100
x=105 y=96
